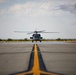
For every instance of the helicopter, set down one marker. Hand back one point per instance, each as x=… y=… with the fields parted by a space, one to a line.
x=36 y=36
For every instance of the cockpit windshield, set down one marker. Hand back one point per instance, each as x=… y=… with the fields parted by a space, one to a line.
x=36 y=35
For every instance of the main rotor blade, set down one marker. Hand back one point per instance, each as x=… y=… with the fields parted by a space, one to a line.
x=40 y=31
x=50 y=32
x=36 y=32
x=22 y=31
x=30 y=32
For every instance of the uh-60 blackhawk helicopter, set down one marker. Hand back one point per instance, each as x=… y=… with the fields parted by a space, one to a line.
x=36 y=36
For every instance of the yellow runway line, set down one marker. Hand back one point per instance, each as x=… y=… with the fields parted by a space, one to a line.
x=36 y=67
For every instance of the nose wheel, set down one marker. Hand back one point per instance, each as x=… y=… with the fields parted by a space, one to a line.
x=32 y=40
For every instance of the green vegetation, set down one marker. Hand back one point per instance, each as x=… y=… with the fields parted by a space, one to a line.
x=59 y=39
x=25 y=39
x=0 y=39
x=9 y=39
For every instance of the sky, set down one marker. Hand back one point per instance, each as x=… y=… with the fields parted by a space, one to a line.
x=31 y=15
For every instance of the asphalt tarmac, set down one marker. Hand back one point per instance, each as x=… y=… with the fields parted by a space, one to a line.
x=58 y=57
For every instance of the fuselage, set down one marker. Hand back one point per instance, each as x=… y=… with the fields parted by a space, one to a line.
x=36 y=37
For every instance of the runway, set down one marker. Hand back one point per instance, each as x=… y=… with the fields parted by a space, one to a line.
x=58 y=57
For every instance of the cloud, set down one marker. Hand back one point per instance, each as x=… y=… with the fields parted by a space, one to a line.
x=68 y=8
x=1 y=1
x=34 y=8
x=40 y=8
